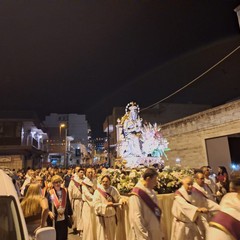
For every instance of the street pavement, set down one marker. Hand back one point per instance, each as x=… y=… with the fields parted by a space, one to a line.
x=72 y=236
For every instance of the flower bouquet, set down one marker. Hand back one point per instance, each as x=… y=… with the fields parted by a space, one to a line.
x=169 y=179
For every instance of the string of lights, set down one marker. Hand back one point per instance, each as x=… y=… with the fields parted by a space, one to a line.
x=193 y=81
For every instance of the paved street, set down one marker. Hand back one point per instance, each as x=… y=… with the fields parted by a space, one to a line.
x=71 y=236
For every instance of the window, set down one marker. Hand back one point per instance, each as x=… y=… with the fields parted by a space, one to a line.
x=10 y=227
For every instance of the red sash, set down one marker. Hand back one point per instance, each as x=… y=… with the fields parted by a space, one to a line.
x=55 y=199
x=226 y=223
x=78 y=185
x=148 y=201
x=106 y=195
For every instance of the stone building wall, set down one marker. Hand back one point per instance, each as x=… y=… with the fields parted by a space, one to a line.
x=187 y=136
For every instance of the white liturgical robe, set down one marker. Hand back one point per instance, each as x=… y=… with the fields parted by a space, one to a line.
x=144 y=224
x=185 y=218
x=230 y=204
x=106 y=216
x=89 y=217
x=75 y=196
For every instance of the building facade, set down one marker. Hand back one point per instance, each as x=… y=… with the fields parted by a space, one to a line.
x=22 y=140
x=68 y=138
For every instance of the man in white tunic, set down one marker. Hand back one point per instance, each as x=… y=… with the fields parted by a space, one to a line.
x=200 y=185
x=205 y=199
x=89 y=217
x=191 y=209
x=185 y=213
x=210 y=182
x=75 y=195
x=225 y=225
x=144 y=213
x=106 y=200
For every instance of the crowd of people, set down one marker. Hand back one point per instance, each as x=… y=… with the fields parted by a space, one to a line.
x=84 y=199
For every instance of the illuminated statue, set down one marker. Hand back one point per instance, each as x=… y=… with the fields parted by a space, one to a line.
x=138 y=143
x=132 y=130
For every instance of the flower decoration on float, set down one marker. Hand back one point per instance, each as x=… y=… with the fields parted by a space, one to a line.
x=169 y=179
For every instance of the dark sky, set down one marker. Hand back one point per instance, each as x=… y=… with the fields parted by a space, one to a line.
x=87 y=56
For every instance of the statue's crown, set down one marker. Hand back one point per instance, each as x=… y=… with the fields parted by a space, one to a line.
x=132 y=106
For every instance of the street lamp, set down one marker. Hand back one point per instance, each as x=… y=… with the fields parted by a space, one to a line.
x=63 y=125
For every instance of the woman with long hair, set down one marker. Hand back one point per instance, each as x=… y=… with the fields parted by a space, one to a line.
x=223 y=179
x=35 y=208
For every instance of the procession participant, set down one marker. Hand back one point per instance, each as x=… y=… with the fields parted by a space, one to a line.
x=67 y=178
x=201 y=186
x=75 y=171
x=35 y=209
x=60 y=208
x=43 y=188
x=204 y=200
x=27 y=181
x=212 y=186
x=75 y=195
x=185 y=213
x=106 y=199
x=89 y=223
x=144 y=213
x=225 y=224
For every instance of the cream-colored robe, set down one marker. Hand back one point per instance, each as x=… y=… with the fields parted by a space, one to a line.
x=106 y=216
x=230 y=204
x=75 y=197
x=206 y=191
x=212 y=185
x=185 y=214
x=144 y=225
x=88 y=215
x=202 y=200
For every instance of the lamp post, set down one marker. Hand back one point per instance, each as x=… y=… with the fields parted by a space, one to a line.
x=63 y=125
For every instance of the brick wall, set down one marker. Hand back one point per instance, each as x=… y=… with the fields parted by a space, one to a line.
x=187 y=136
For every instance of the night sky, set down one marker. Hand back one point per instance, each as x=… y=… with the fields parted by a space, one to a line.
x=87 y=56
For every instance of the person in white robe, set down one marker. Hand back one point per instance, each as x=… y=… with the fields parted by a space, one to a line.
x=89 y=217
x=200 y=185
x=145 y=215
x=204 y=199
x=225 y=225
x=210 y=184
x=106 y=200
x=185 y=213
x=75 y=195
x=28 y=178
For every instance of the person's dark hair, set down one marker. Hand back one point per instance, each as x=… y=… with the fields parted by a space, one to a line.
x=107 y=176
x=81 y=169
x=197 y=170
x=224 y=170
x=150 y=172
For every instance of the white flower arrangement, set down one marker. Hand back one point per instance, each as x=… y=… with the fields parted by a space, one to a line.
x=169 y=179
